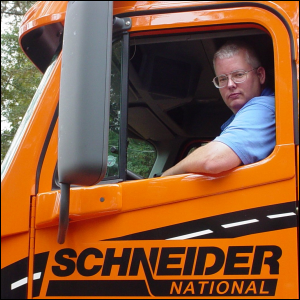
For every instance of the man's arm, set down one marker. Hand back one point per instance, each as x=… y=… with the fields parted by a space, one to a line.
x=213 y=158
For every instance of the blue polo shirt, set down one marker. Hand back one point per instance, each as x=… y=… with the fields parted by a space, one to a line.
x=250 y=133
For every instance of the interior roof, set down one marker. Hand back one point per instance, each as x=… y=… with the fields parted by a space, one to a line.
x=200 y=113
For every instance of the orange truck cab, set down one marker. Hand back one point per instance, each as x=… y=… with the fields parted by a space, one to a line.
x=126 y=94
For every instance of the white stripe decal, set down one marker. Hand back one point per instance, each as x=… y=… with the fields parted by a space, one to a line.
x=191 y=235
x=239 y=223
x=37 y=275
x=25 y=280
x=281 y=215
x=19 y=283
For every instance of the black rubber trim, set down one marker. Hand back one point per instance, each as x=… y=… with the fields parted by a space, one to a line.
x=55 y=183
x=295 y=103
x=124 y=106
x=44 y=150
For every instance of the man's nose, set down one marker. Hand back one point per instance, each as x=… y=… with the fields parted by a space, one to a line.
x=230 y=82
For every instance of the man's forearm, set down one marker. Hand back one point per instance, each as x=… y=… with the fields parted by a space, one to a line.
x=212 y=158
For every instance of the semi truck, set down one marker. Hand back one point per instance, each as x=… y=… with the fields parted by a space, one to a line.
x=126 y=93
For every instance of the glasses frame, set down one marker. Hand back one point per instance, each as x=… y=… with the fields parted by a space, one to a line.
x=227 y=76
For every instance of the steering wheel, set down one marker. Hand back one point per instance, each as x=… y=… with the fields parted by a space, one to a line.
x=132 y=176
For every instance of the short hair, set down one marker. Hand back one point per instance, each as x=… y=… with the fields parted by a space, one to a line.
x=231 y=48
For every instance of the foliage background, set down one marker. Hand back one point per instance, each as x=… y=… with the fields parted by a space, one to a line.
x=19 y=77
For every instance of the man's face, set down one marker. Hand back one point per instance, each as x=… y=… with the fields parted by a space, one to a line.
x=236 y=95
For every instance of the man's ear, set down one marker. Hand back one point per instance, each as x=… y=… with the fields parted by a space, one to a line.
x=261 y=73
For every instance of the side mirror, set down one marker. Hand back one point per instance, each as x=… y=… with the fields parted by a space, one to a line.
x=84 y=98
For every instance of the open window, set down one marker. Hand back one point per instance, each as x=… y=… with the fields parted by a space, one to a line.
x=172 y=102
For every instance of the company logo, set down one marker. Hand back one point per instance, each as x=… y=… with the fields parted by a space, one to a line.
x=168 y=271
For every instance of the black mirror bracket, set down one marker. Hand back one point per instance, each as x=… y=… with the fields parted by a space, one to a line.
x=121 y=24
x=63 y=212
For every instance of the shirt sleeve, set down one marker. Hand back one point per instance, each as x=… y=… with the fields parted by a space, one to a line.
x=251 y=134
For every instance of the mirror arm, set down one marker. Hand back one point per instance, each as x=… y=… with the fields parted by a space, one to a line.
x=63 y=212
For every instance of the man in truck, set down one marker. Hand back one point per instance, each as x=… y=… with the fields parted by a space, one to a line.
x=249 y=134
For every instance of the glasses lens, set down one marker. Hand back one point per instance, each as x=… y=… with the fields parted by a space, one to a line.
x=239 y=76
x=221 y=81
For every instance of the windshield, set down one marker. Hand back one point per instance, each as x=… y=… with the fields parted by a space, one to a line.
x=24 y=124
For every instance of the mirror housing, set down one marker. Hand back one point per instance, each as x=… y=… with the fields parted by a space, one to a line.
x=85 y=92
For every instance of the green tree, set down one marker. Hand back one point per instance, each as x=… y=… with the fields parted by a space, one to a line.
x=141 y=156
x=19 y=77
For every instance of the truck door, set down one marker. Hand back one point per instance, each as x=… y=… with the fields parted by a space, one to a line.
x=190 y=235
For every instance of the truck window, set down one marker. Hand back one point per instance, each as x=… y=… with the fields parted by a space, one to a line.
x=172 y=101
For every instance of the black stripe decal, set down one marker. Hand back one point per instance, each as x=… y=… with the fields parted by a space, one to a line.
x=230 y=225
x=40 y=262
x=97 y=288
x=14 y=280
x=14 y=277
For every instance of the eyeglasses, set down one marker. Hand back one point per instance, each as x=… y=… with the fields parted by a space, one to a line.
x=237 y=76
